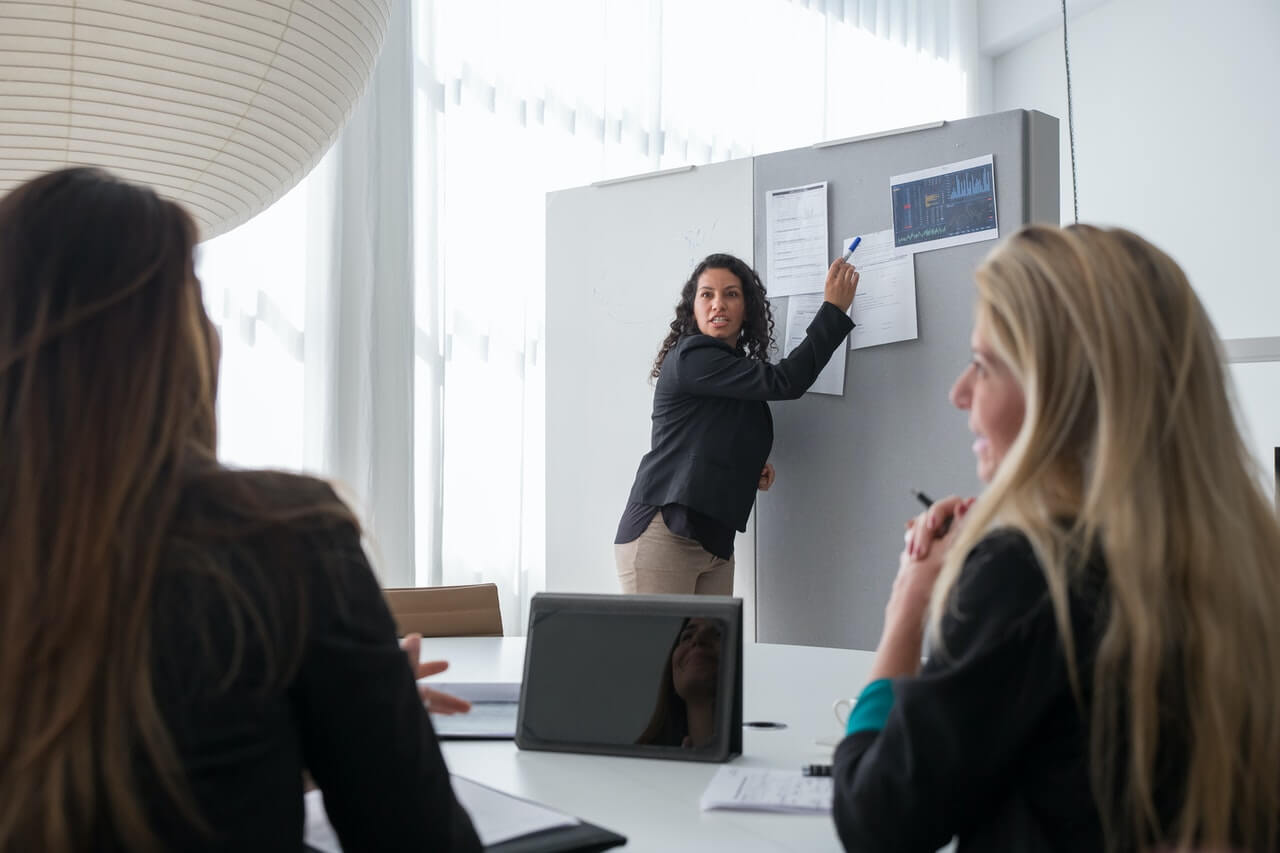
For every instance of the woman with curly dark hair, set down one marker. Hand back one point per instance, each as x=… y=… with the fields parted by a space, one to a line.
x=712 y=431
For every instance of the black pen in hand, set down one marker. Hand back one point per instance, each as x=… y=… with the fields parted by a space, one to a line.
x=928 y=502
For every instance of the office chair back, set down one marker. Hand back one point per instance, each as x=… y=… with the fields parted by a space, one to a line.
x=447 y=611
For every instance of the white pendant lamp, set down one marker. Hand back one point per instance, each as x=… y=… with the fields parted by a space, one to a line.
x=220 y=106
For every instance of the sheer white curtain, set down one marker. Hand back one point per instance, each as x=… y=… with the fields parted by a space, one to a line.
x=255 y=285
x=514 y=99
x=313 y=299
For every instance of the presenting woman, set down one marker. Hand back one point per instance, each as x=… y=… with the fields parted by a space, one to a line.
x=712 y=431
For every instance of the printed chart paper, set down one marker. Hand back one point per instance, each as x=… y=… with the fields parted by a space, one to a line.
x=945 y=206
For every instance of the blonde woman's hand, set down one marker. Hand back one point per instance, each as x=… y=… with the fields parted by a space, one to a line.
x=766 y=477
x=898 y=653
x=842 y=284
x=436 y=701
x=927 y=527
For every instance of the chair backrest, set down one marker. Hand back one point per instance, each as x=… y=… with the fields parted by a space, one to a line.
x=447 y=611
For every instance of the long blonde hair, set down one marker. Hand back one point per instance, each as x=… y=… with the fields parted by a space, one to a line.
x=1130 y=433
x=107 y=389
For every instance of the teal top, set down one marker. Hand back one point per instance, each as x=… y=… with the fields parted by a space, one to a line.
x=872 y=708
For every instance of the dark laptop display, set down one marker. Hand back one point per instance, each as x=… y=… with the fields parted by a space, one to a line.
x=657 y=676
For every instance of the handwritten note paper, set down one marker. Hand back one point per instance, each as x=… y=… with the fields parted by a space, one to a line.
x=796 y=239
x=885 y=305
x=800 y=313
x=763 y=790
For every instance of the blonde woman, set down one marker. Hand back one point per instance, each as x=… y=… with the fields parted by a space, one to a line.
x=1107 y=667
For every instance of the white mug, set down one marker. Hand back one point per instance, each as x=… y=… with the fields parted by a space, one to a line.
x=842 y=708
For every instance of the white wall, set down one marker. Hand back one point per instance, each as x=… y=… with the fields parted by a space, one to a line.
x=617 y=256
x=1178 y=138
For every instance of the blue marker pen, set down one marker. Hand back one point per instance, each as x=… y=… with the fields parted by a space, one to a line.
x=852 y=246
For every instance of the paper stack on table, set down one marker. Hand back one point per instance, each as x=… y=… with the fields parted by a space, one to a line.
x=764 y=790
x=494 y=708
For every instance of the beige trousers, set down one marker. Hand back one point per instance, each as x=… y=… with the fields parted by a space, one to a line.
x=661 y=562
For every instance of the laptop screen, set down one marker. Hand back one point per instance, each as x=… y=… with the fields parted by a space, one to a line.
x=632 y=675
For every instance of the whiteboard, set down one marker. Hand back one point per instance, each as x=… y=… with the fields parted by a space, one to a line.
x=617 y=255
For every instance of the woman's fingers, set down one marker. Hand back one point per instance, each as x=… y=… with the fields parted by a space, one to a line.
x=436 y=701
x=766 y=477
x=411 y=644
x=842 y=283
x=920 y=535
x=439 y=702
x=928 y=526
x=431 y=667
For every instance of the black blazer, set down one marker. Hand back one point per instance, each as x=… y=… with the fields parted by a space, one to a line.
x=712 y=431
x=987 y=743
x=349 y=712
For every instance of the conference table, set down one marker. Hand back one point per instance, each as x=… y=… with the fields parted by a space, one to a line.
x=655 y=802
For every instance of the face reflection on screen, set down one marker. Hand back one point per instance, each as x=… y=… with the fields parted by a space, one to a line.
x=684 y=713
x=624 y=679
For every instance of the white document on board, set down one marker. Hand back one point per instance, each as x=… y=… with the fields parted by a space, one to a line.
x=796 y=239
x=884 y=308
x=764 y=790
x=800 y=311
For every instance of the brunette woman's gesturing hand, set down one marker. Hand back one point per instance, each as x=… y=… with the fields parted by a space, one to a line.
x=766 y=478
x=437 y=701
x=842 y=284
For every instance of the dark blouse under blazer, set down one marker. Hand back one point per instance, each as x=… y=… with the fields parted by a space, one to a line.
x=712 y=431
x=988 y=742
x=349 y=712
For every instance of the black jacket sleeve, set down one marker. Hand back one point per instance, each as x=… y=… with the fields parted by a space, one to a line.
x=957 y=729
x=367 y=739
x=709 y=367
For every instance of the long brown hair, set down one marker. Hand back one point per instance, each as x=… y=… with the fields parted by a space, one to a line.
x=107 y=389
x=669 y=722
x=1129 y=430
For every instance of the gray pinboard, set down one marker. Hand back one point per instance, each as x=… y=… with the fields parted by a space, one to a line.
x=829 y=532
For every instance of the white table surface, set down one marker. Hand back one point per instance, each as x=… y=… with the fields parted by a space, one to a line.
x=655 y=803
